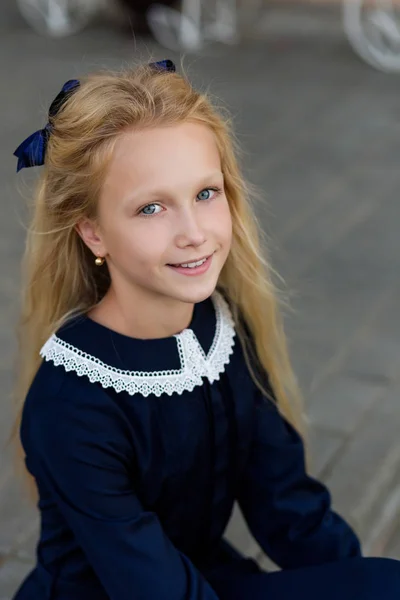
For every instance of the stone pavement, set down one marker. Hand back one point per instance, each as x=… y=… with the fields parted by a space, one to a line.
x=321 y=137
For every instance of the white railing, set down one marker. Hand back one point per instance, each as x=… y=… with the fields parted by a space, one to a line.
x=371 y=26
x=57 y=18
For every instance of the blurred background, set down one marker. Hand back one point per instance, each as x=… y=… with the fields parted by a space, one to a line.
x=313 y=89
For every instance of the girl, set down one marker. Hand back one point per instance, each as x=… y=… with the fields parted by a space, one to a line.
x=165 y=391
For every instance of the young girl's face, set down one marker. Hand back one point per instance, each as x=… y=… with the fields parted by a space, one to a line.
x=163 y=204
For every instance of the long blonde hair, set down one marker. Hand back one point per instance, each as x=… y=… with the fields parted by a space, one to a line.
x=59 y=275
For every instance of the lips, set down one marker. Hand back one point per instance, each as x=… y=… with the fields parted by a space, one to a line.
x=188 y=262
x=192 y=265
x=193 y=271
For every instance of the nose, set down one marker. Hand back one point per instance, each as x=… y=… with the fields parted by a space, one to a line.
x=190 y=231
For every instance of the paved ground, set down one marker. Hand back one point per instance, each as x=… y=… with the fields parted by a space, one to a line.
x=322 y=139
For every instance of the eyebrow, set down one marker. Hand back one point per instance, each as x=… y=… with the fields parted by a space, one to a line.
x=136 y=196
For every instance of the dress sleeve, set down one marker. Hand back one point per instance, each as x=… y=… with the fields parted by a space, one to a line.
x=82 y=453
x=288 y=512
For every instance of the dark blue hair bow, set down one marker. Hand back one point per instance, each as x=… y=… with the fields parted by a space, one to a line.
x=164 y=65
x=32 y=151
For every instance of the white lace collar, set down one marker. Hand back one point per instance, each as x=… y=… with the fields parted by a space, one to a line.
x=195 y=364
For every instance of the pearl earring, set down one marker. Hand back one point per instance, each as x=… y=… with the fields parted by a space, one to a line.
x=99 y=261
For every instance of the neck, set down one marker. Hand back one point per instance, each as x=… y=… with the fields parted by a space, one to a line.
x=142 y=317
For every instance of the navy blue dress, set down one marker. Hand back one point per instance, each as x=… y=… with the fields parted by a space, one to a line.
x=139 y=449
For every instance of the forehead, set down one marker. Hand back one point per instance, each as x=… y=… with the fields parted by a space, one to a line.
x=160 y=154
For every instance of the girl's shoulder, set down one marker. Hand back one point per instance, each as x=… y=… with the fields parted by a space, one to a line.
x=57 y=353
x=55 y=389
x=58 y=384
x=61 y=403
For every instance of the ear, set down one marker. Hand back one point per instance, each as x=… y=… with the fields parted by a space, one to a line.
x=90 y=233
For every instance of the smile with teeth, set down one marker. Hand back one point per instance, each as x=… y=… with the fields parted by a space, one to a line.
x=192 y=265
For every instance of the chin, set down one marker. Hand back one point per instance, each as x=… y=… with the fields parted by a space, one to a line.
x=197 y=293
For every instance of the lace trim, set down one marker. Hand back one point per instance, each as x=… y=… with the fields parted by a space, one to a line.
x=195 y=364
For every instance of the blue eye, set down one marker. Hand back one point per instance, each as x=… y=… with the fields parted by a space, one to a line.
x=207 y=193
x=147 y=210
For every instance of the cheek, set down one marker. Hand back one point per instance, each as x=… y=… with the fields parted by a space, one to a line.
x=136 y=244
x=222 y=222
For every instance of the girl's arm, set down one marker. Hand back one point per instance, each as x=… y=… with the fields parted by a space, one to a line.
x=81 y=453
x=288 y=512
